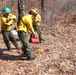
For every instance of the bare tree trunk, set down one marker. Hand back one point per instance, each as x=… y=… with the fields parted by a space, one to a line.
x=42 y=9
x=42 y=5
x=21 y=10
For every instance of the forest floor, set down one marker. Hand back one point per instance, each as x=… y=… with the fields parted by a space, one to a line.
x=55 y=56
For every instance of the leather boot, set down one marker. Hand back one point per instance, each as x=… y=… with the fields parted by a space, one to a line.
x=31 y=57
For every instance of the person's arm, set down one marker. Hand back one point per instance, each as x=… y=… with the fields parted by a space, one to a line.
x=4 y=21
x=37 y=19
x=30 y=27
x=12 y=16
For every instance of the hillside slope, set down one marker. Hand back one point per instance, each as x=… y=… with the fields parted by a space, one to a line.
x=58 y=58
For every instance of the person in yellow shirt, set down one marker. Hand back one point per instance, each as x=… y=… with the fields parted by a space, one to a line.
x=6 y=26
x=25 y=26
x=36 y=24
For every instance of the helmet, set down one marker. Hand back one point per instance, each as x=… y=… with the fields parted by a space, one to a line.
x=6 y=10
x=36 y=9
x=33 y=12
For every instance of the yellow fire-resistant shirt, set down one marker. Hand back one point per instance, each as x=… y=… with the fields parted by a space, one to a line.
x=37 y=20
x=7 y=26
x=25 y=24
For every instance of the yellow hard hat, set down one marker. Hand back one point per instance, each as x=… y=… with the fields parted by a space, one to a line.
x=33 y=12
x=36 y=9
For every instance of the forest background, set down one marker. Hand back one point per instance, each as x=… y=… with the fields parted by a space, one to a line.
x=55 y=56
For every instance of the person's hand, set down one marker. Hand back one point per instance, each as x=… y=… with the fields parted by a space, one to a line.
x=14 y=19
x=14 y=28
x=8 y=19
x=34 y=20
x=32 y=35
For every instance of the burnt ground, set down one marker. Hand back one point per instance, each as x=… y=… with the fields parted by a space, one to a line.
x=55 y=56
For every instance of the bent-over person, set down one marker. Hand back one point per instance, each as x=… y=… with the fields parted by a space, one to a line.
x=25 y=26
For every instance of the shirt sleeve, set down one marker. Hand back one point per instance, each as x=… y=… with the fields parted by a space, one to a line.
x=38 y=18
x=29 y=25
x=5 y=22
x=12 y=16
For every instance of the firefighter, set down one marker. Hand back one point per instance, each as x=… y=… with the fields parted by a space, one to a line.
x=36 y=23
x=25 y=26
x=7 y=20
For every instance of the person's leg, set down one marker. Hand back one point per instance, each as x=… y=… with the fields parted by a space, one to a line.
x=13 y=40
x=26 y=49
x=31 y=35
x=6 y=39
x=39 y=33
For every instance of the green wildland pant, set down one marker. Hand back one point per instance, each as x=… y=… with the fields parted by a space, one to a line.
x=38 y=30
x=8 y=36
x=24 y=39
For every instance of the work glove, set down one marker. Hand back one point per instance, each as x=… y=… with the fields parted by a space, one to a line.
x=32 y=35
x=8 y=19
x=34 y=20
x=14 y=19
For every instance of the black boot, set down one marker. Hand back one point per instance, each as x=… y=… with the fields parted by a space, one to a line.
x=8 y=48
x=31 y=57
x=41 y=40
